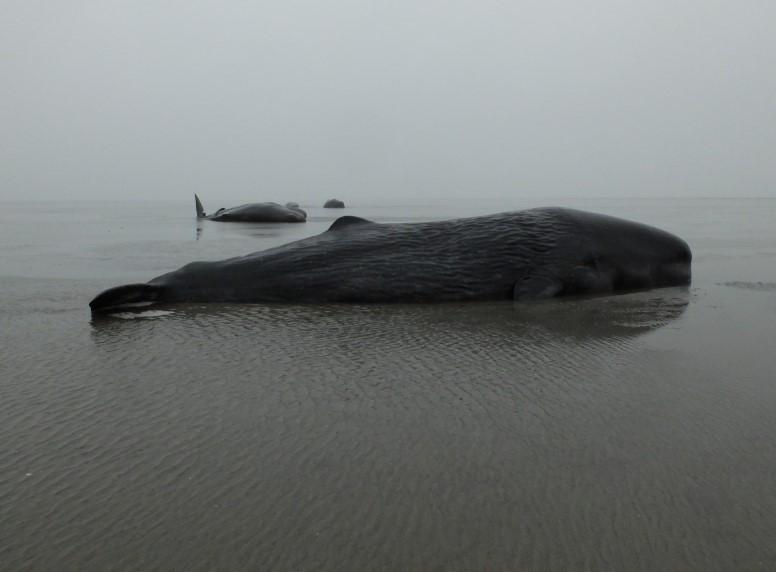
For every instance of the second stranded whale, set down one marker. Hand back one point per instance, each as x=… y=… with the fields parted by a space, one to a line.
x=523 y=255
x=254 y=212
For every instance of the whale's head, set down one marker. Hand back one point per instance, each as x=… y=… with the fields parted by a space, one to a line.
x=612 y=255
x=126 y=297
x=634 y=256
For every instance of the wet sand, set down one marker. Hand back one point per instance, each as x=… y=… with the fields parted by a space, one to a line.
x=623 y=433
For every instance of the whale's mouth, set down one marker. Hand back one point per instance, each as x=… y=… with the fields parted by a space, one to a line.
x=130 y=296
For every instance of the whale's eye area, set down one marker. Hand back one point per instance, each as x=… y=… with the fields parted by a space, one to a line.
x=592 y=260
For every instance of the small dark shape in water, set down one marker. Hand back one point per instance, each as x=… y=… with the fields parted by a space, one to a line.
x=253 y=212
x=524 y=255
x=334 y=204
x=756 y=286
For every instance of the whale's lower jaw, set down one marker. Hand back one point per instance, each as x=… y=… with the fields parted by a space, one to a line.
x=126 y=297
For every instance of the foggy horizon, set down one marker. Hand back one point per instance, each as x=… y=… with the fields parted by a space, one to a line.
x=389 y=103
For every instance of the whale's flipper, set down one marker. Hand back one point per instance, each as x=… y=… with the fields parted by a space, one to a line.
x=129 y=296
x=584 y=279
x=200 y=210
x=347 y=221
x=536 y=287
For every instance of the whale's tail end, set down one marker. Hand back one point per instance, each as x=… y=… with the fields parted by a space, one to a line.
x=198 y=204
x=126 y=297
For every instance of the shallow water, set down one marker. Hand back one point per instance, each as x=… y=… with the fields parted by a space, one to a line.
x=615 y=433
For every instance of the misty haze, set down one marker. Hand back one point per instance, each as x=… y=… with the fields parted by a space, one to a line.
x=387 y=101
x=390 y=354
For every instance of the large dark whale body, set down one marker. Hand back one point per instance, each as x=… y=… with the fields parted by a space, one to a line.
x=254 y=212
x=522 y=255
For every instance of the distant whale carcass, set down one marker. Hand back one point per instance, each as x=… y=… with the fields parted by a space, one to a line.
x=254 y=212
x=523 y=255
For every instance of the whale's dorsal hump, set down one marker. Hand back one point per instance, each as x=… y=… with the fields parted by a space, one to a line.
x=348 y=221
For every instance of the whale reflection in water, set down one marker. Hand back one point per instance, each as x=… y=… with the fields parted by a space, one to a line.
x=396 y=326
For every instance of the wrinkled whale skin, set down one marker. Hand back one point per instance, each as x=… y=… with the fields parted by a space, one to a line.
x=523 y=255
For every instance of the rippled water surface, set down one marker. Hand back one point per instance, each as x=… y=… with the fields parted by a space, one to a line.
x=624 y=433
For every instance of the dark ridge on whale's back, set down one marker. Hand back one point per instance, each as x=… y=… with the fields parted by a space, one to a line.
x=348 y=220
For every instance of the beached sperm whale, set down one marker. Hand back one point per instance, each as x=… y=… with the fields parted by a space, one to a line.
x=254 y=212
x=523 y=255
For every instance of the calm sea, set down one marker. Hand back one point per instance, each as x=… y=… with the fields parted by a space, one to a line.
x=629 y=433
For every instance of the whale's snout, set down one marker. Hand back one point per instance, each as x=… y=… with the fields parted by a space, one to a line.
x=676 y=269
x=128 y=296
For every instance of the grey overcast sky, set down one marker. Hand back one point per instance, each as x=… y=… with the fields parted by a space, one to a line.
x=386 y=100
